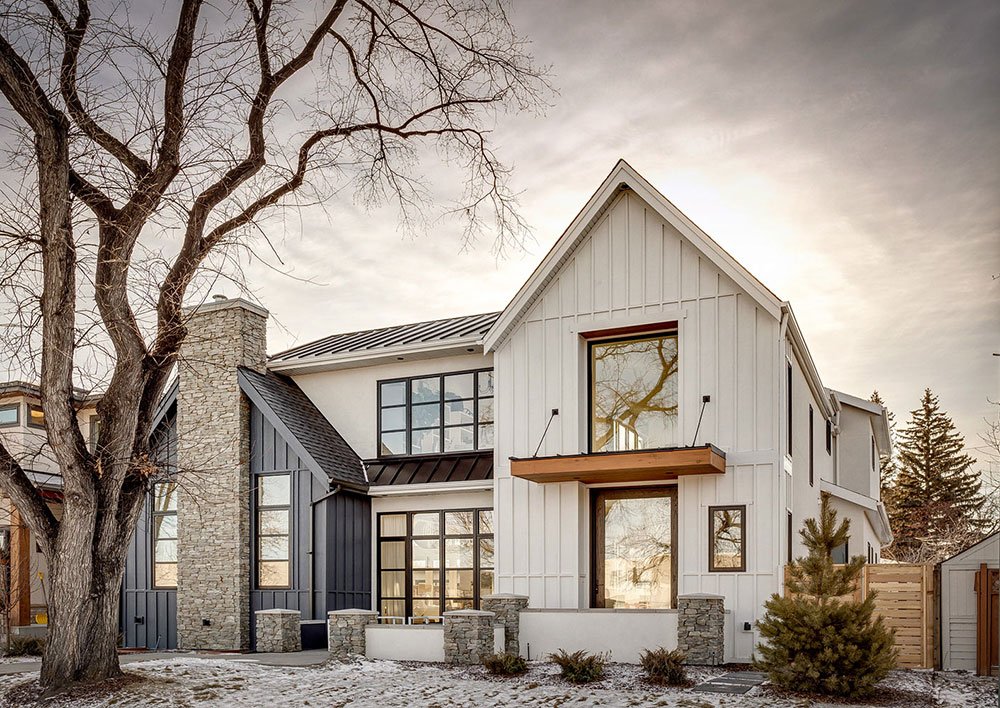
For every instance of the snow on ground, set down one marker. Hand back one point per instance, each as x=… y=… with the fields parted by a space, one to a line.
x=190 y=681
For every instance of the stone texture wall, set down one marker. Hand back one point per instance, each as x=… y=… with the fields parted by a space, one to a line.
x=507 y=609
x=468 y=636
x=278 y=631
x=700 y=628
x=213 y=450
x=345 y=632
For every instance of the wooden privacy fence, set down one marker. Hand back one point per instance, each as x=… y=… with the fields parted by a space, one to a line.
x=905 y=600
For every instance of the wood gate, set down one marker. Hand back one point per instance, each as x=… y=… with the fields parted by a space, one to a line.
x=987 y=620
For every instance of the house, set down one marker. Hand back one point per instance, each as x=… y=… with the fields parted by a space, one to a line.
x=642 y=424
x=969 y=608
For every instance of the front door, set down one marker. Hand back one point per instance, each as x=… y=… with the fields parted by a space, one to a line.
x=634 y=556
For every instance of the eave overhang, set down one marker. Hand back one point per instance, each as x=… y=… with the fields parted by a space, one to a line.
x=658 y=465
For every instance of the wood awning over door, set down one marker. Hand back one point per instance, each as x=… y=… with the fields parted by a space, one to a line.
x=657 y=465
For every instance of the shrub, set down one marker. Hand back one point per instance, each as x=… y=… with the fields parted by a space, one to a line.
x=580 y=667
x=815 y=640
x=26 y=645
x=505 y=664
x=664 y=666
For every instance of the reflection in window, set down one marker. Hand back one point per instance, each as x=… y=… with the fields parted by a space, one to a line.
x=728 y=546
x=164 y=522
x=36 y=416
x=433 y=562
x=9 y=414
x=274 y=517
x=634 y=393
x=435 y=414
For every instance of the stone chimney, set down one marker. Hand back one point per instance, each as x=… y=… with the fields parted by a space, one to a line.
x=213 y=452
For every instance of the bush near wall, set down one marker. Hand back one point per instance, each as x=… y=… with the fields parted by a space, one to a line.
x=664 y=666
x=505 y=664
x=580 y=666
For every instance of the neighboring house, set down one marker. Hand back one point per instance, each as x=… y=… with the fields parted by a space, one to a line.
x=22 y=431
x=970 y=608
x=642 y=421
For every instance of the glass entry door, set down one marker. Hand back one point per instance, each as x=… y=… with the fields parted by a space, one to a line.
x=634 y=559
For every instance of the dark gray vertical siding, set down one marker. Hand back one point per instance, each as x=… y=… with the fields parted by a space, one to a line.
x=149 y=616
x=341 y=529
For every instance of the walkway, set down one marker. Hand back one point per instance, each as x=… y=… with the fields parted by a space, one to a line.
x=735 y=682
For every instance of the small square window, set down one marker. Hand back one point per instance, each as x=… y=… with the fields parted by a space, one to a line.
x=727 y=534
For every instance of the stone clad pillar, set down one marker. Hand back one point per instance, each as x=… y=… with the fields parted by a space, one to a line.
x=468 y=636
x=278 y=631
x=507 y=609
x=345 y=632
x=701 y=628
x=213 y=451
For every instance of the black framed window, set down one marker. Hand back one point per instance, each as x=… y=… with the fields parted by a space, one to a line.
x=10 y=414
x=36 y=416
x=840 y=554
x=164 y=535
x=424 y=415
x=95 y=431
x=274 y=537
x=829 y=437
x=873 y=454
x=812 y=445
x=727 y=536
x=788 y=403
x=431 y=562
x=633 y=392
x=790 y=531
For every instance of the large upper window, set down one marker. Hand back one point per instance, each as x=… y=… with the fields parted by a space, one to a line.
x=435 y=414
x=434 y=561
x=633 y=393
x=164 y=519
x=274 y=520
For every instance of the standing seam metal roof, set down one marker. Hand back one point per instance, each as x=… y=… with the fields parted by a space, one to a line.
x=388 y=337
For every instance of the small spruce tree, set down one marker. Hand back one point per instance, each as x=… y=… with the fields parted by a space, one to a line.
x=816 y=639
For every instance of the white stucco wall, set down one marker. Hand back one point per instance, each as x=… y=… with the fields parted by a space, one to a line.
x=405 y=642
x=623 y=633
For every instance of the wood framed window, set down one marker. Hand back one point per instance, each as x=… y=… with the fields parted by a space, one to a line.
x=431 y=562
x=436 y=414
x=812 y=446
x=727 y=551
x=274 y=537
x=634 y=558
x=633 y=392
x=36 y=416
x=163 y=520
x=10 y=415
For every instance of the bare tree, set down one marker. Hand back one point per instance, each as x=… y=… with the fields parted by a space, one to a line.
x=148 y=155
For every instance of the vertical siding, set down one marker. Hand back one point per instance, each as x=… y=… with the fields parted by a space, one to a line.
x=148 y=617
x=633 y=268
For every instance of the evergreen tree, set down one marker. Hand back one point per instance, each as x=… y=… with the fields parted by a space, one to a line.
x=936 y=496
x=816 y=639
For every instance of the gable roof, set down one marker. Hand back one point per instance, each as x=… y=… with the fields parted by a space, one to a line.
x=468 y=329
x=623 y=177
x=304 y=428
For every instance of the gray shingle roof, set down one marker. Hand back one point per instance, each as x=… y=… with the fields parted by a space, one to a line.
x=388 y=337
x=279 y=397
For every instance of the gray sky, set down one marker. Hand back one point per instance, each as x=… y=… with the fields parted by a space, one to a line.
x=848 y=154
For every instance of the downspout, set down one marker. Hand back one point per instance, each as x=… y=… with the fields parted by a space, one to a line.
x=312 y=543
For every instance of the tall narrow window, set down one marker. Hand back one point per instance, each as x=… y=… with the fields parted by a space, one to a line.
x=431 y=562
x=274 y=520
x=812 y=445
x=790 y=530
x=633 y=393
x=634 y=560
x=95 y=431
x=873 y=453
x=436 y=414
x=788 y=403
x=164 y=536
x=829 y=437
x=728 y=552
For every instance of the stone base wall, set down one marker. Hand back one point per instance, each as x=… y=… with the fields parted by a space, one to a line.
x=507 y=609
x=278 y=631
x=468 y=636
x=345 y=632
x=700 y=629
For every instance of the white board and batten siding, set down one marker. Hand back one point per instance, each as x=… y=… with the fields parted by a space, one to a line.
x=635 y=268
x=958 y=603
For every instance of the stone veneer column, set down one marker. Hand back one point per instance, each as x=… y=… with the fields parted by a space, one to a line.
x=345 y=632
x=700 y=628
x=213 y=450
x=468 y=636
x=278 y=631
x=507 y=609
